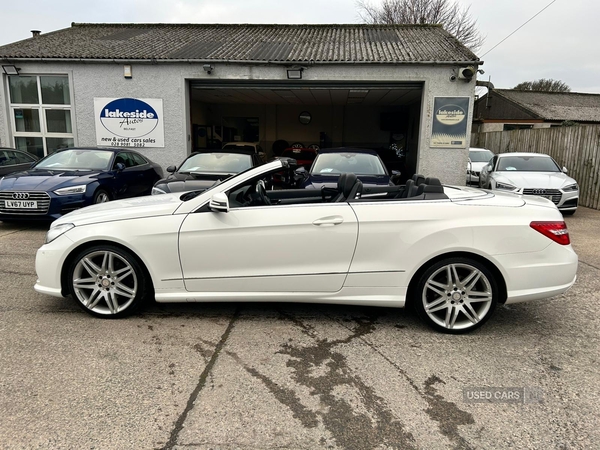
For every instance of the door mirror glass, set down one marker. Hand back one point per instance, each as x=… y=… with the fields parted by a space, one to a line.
x=172 y=169
x=564 y=169
x=120 y=167
x=219 y=202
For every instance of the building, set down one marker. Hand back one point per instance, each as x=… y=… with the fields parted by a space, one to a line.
x=509 y=109
x=171 y=89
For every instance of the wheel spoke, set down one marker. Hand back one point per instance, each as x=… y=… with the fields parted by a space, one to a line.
x=438 y=284
x=124 y=291
x=123 y=273
x=455 y=275
x=451 y=316
x=84 y=283
x=479 y=296
x=105 y=261
x=97 y=299
x=111 y=263
x=431 y=286
x=111 y=301
x=90 y=266
x=92 y=300
x=436 y=305
x=470 y=313
x=474 y=281
x=472 y=275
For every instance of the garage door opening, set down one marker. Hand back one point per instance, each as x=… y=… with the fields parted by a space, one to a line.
x=381 y=118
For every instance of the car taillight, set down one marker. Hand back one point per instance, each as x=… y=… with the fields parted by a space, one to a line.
x=557 y=231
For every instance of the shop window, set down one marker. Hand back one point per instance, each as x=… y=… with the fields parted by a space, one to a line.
x=41 y=115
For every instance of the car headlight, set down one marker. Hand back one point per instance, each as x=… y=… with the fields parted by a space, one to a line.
x=72 y=190
x=571 y=188
x=157 y=191
x=505 y=187
x=56 y=231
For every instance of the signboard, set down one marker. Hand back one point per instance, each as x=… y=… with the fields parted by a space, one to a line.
x=450 y=116
x=129 y=122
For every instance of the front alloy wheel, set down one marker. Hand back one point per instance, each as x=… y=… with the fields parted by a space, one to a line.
x=107 y=281
x=457 y=295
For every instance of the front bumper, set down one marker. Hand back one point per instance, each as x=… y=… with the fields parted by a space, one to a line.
x=58 y=206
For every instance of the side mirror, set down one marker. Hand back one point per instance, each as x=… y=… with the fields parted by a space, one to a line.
x=219 y=203
x=395 y=172
x=120 y=167
x=564 y=169
x=172 y=169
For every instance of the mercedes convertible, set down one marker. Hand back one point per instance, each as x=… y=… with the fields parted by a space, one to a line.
x=452 y=253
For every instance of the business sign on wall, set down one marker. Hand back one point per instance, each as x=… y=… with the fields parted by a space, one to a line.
x=450 y=119
x=129 y=122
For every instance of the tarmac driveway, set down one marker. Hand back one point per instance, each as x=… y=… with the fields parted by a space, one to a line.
x=265 y=376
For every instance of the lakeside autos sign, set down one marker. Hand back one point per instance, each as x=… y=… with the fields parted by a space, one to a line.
x=129 y=122
x=450 y=116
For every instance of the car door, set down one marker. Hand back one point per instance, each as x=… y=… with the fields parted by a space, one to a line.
x=11 y=161
x=149 y=175
x=128 y=181
x=276 y=248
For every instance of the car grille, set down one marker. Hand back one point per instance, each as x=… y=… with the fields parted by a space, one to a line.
x=42 y=199
x=553 y=194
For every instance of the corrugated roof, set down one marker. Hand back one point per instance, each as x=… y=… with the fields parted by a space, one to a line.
x=557 y=106
x=260 y=43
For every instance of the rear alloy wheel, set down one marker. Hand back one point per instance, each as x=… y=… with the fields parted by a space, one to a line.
x=101 y=196
x=456 y=295
x=107 y=281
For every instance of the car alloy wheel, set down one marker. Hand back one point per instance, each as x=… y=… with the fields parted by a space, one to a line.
x=101 y=197
x=107 y=281
x=457 y=295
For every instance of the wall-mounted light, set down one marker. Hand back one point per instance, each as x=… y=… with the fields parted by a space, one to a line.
x=127 y=73
x=294 y=74
x=11 y=70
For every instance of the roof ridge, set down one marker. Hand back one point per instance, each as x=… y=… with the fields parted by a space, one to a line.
x=255 y=25
x=547 y=92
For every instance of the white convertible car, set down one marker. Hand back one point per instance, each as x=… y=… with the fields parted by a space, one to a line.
x=453 y=253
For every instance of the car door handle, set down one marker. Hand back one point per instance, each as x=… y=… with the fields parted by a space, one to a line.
x=328 y=221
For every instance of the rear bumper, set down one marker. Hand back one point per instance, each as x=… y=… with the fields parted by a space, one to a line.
x=539 y=275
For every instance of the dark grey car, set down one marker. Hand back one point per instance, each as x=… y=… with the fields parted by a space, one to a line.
x=12 y=160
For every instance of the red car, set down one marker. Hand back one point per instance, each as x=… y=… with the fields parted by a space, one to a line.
x=304 y=156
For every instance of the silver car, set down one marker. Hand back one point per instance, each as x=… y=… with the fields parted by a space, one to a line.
x=532 y=174
x=478 y=157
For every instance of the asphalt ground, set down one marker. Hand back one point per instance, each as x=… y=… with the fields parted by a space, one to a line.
x=271 y=376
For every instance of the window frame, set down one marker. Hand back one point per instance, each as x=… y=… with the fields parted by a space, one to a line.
x=41 y=108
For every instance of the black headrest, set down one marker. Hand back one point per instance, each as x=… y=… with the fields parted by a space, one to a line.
x=412 y=191
x=421 y=189
x=433 y=181
x=433 y=189
x=418 y=179
x=407 y=186
x=341 y=182
x=349 y=183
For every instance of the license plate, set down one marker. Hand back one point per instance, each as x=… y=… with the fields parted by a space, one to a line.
x=21 y=204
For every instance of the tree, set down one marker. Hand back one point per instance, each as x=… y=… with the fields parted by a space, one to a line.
x=543 y=85
x=456 y=20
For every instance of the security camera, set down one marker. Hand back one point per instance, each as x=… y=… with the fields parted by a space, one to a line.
x=466 y=73
x=208 y=68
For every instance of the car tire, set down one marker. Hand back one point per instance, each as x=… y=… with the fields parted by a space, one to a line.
x=108 y=281
x=460 y=304
x=101 y=196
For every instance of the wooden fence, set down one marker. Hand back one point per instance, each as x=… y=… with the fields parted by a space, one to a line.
x=577 y=148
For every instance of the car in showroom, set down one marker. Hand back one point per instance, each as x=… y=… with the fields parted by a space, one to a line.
x=72 y=178
x=453 y=253
x=12 y=160
x=330 y=163
x=478 y=158
x=203 y=169
x=304 y=156
x=248 y=147
x=531 y=174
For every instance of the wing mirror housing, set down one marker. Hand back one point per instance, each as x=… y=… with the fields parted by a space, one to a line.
x=219 y=203
x=564 y=169
x=172 y=169
x=120 y=167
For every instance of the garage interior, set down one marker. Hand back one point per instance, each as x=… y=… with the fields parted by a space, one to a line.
x=384 y=118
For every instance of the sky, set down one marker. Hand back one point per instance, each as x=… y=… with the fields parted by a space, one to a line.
x=561 y=43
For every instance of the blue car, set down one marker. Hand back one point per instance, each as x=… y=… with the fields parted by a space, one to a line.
x=72 y=178
x=332 y=162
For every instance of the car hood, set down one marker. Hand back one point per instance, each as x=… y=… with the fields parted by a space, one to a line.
x=319 y=181
x=133 y=208
x=47 y=180
x=179 y=182
x=554 y=180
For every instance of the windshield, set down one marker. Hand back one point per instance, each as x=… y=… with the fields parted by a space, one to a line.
x=527 y=164
x=217 y=163
x=243 y=148
x=77 y=160
x=480 y=155
x=358 y=163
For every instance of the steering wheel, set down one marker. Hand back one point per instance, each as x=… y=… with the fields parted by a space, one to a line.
x=261 y=192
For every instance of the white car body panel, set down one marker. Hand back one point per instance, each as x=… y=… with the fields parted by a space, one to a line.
x=366 y=252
